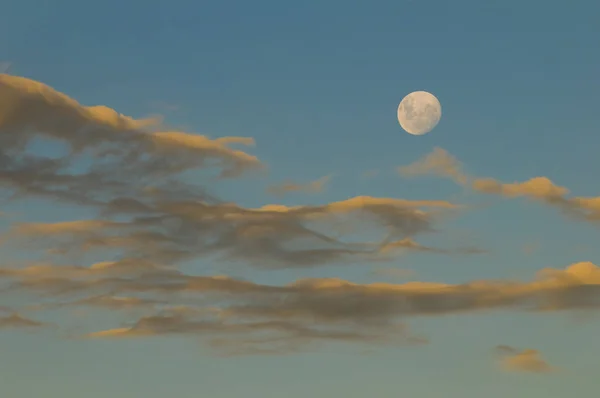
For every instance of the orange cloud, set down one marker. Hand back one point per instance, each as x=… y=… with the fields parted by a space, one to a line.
x=528 y=360
x=540 y=189
x=128 y=153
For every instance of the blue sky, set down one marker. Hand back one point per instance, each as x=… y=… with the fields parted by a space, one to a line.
x=317 y=84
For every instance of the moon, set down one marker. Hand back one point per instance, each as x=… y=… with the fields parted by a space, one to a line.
x=419 y=112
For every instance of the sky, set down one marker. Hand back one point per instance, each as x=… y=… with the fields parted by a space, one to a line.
x=216 y=199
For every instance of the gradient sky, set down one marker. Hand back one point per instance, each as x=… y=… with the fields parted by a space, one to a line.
x=316 y=85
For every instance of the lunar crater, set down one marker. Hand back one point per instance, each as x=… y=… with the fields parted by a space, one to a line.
x=419 y=112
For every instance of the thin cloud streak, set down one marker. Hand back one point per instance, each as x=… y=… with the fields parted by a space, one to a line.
x=312 y=187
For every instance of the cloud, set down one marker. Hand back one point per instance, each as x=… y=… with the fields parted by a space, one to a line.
x=299 y=314
x=438 y=163
x=527 y=360
x=540 y=189
x=128 y=154
x=17 y=321
x=253 y=337
x=543 y=190
x=408 y=244
x=63 y=228
x=109 y=302
x=310 y=187
x=132 y=175
x=130 y=172
x=271 y=236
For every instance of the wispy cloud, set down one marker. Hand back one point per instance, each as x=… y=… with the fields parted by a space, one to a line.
x=17 y=321
x=135 y=175
x=270 y=236
x=129 y=154
x=543 y=190
x=308 y=310
x=527 y=360
x=438 y=163
x=309 y=187
x=148 y=219
x=539 y=189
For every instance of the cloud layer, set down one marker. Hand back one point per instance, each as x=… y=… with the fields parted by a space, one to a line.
x=146 y=219
x=305 y=311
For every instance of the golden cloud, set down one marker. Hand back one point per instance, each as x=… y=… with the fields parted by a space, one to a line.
x=148 y=220
x=527 y=360
x=306 y=311
x=540 y=189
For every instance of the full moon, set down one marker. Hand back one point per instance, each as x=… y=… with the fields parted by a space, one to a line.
x=419 y=112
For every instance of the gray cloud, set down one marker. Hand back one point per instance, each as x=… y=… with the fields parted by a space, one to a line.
x=301 y=313
x=129 y=154
x=17 y=321
x=271 y=236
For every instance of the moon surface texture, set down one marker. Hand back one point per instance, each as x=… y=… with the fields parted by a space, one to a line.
x=419 y=112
